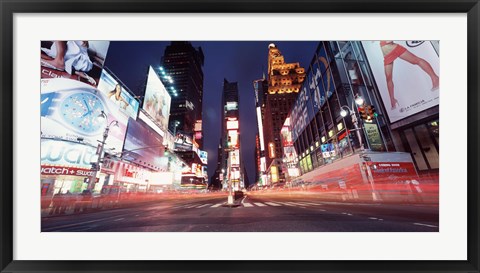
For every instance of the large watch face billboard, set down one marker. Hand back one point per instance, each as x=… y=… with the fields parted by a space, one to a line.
x=157 y=100
x=407 y=74
x=71 y=110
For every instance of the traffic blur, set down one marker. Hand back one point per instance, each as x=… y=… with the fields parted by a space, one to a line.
x=408 y=190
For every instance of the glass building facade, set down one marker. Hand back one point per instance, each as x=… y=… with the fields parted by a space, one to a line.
x=337 y=74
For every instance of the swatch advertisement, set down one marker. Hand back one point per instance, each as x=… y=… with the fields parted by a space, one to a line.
x=407 y=74
x=118 y=94
x=71 y=110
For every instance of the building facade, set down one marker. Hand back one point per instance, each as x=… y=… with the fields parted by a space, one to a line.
x=342 y=71
x=284 y=83
x=230 y=141
x=183 y=63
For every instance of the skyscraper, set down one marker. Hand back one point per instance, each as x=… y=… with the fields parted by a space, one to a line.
x=184 y=63
x=230 y=142
x=284 y=83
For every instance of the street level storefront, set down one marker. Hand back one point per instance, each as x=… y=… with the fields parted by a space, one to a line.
x=65 y=166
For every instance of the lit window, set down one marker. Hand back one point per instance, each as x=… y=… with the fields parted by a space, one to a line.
x=340 y=126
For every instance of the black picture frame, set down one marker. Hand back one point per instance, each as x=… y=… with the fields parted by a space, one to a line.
x=10 y=7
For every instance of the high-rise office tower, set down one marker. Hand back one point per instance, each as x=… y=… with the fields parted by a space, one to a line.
x=284 y=83
x=184 y=63
x=230 y=161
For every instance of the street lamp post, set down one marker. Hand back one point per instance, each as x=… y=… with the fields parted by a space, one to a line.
x=175 y=125
x=91 y=183
x=344 y=112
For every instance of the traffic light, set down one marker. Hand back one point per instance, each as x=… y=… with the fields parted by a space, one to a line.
x=363 y=112
x=374 y=112
x=229 y=140
x=369 y=112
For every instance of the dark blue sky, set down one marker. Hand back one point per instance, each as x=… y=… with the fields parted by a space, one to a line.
x=240 y=62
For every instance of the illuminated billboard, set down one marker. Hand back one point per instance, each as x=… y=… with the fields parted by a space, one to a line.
x=234 y=158
x=198 y=126
x=144 y=146
x=65 y=153
x=157 y=100
x=76 y=60
x=233 y=135
x=72 y=110
x=203 y=156
x=118 y=94
x=260 y=129
x=405 y=88
x=183 y=142
x=232 y=124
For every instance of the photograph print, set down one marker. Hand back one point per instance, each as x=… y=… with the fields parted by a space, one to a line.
x=239 y=136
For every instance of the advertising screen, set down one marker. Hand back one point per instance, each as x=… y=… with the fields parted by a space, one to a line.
x=183 y=142
x=144 y=146
x=118 y=94
x=232 y=124
x=233 y=134
x=157 y=100
x=77 y=60
x=72 y=110
x=203 y=156
x=235 y=158
x=328 y=150
x=409 y=88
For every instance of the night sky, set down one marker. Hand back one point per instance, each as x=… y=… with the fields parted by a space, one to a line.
x=241 y=62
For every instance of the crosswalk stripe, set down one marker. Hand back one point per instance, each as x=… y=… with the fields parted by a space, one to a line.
x=313 y=204
x=287 y=204
x=248 y=205
x=273 y=204
x=203 y=206
x=216 y=206
x=295 y=204
x=192 y=206
x=260 y=204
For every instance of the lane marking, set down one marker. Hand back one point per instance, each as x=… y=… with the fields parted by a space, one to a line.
x=260 y=204
x=203 y=206
x=425 y=225
x=119 y=219
x=217 y=205
x=273 y=204
x=248 y=205
x=372 y=218
x=72 y=225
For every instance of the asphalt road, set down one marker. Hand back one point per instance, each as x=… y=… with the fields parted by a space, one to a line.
x=254 y=213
